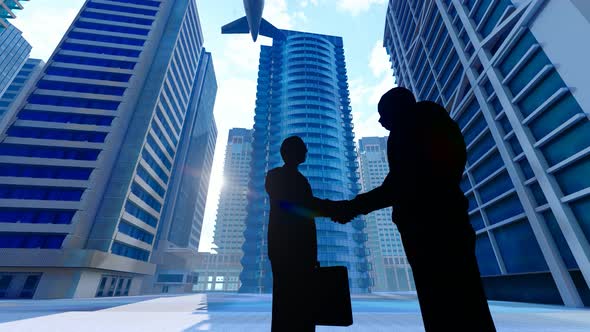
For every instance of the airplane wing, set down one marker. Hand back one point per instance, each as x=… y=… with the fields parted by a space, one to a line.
x=238 y=26
x=269 y=30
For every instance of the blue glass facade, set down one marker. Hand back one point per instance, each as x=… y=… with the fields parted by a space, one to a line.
x=18 y=88
x=90 y=154
x=303 y=90
x=14 y=51
x=7 y=10
x=527 y=135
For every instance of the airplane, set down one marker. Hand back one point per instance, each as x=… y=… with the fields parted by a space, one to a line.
x=252 y=23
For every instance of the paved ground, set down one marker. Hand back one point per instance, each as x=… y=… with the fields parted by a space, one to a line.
x=251 y=313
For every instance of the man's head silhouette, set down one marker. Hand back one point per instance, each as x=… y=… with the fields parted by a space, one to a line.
x=394 y=106
x=293 y=151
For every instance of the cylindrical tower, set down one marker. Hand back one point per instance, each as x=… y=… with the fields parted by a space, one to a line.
x=303 y=91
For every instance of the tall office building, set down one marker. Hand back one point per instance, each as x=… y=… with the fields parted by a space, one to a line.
x=177 y=241
x=224 y=266
x=7 y=9
x=86 y=165
x=513 y=75
x=18 y=89
x=303 y=90
x=391 y=270
x=14 y=51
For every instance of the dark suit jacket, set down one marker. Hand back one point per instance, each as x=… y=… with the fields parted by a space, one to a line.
x=291 y=228
x=426 y=155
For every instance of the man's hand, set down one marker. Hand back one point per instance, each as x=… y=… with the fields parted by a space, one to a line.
x=344 y=212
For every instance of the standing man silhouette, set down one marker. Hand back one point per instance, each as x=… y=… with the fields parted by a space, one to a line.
x=292 y=242
x=427 y=155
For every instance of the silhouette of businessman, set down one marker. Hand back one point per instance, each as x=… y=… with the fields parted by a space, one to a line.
x=292 y=242
x=427 y=155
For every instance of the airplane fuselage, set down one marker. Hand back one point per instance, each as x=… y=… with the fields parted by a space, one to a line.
x=254 y=10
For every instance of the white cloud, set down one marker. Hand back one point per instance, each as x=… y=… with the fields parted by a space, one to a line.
x=365 y=93
x=378 y=60
x=356 y=7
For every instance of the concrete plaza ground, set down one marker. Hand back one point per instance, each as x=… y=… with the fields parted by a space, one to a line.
x=251 y=313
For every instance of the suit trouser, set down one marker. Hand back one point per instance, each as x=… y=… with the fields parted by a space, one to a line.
x=447 y=278
x=292 y=297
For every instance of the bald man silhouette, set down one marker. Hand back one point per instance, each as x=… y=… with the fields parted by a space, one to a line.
x=427 y=155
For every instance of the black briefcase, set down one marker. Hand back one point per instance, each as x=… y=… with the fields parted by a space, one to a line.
x=332 y=305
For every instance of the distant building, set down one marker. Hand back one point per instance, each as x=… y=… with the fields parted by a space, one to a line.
x=303 y=90
x=7 y=9
x=514 y=76
x=224 y=266
x=14 y=51
x=177 y=242
x=217 y=273
x=18 y=89
x=85 y=168
x=391 y=270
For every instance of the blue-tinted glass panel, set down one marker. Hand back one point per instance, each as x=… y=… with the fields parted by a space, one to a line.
x=146 y=197
x=574 y=177
x=476 y=221
x=560 y=241
x=488 y=166
x=486 y=259
x=48 y=152
x=36 y=216
x=31 y=241
x=131 y=252
x=106 y=39
x=503 y=209
x=74 y=102
x=140 y=2
x=142 y=215
x=524 y=75
x=40 y=193
x=519 y=248
x=483 y=145
x=57 y=134
x=558 y=113
x=539 y=94
x=145 y=176
x=112 y=28
x=476 y=127
x=123 y=9
x=90 y=74
x=69 y=46
x=527 y=171
x=46 y=116
x=45 y=172
x=81 y=60
x=568 y=143
x=80 y=87
x=581 y=209
x=495 y=187
x=135 y=232
x=518 y=50
x=117 y=18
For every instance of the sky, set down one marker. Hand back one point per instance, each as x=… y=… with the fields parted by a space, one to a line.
x=235 y=57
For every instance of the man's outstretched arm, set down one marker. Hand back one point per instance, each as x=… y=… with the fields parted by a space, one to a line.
x=376 y=199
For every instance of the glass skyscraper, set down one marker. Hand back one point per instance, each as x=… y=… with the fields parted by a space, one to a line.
x=7 y=8
x=223 y=268
x=14 y=51
x=513 y=75
x=391 y=270
x=84 y=169
x=179 y=232
x=18 y=89
x=303 y=90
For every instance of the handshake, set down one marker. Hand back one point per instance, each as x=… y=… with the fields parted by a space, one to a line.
x=339 y=211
